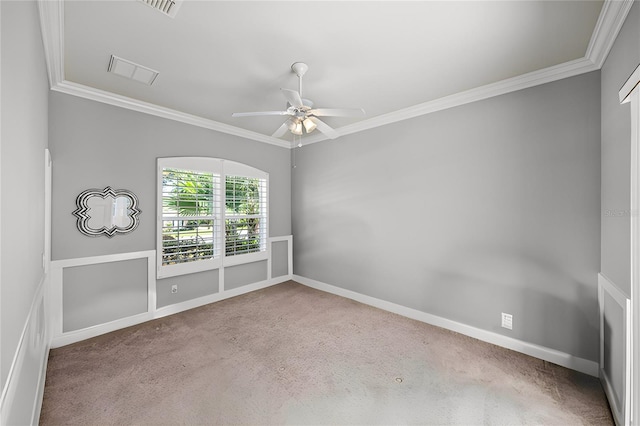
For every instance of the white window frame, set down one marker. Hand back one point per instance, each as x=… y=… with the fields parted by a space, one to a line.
x=232 y=168
x=222 y=168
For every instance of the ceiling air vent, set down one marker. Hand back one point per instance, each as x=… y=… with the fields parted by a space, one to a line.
x=168 y=7
x=131 y=70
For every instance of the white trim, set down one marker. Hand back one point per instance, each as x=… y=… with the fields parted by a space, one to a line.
x=97 y=330
x=241 y=259
x=56 y=292
x=185 y=268
x=221 y=169
x=216 y=297
x=74 y=336
x=289 y=241
x=524 y=81
x=221 y=279
x=629 y=86
x=635 y=257
x=46 y=255
x=75 y=89
x=609 y=23
x=537 y=351
x=630 y=92
x=152 y=291
x=52 y=29
x=61 y=338
x=621 y=413
x=33 y=339
x=106 y=258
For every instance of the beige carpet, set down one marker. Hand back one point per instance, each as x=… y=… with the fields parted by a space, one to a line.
x=289 y=354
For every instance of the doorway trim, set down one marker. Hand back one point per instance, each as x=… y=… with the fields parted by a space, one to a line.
x=630 y=93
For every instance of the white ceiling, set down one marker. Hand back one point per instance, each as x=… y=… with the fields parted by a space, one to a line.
x=394 y=59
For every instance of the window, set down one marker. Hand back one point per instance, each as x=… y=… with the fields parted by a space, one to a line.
x=190 y=219
x=244 y=215
x=188 y=215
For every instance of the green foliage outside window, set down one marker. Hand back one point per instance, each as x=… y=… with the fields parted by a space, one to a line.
x=242 y=207
x=189 y=199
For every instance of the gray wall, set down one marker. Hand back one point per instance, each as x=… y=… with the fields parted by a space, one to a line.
x=23 y=141
x=466 y=213
x=96 y=145
x=623 y=58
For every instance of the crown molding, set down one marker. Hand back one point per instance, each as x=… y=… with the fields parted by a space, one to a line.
x=524 y=81
x=610 y=21
x=98 y=95
x=52 y=29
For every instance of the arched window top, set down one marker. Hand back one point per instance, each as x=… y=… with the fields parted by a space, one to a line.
x=211 y=212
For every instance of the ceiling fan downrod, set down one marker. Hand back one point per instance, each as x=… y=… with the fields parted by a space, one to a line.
x=300 y=68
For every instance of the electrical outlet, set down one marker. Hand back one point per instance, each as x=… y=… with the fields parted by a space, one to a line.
x=507 y=321
x=174 y=288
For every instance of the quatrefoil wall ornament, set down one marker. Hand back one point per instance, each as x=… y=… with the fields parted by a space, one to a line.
x=106 y=212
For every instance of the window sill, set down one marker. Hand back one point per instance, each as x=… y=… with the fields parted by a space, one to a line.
x=245 y=258
x=188 y=268
x=201 y=266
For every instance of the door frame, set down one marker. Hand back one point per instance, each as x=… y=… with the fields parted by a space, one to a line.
x=630 y=93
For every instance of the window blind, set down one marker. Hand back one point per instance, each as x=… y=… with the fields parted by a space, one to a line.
x=245 y=215
x=190 y=215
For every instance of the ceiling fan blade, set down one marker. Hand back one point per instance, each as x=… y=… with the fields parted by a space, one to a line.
x=252 y=114
x=337 y=112
x=293 y=97
x=281 y=130
x=324 y=128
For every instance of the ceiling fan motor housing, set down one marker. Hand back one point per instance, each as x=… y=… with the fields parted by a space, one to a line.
x=300 y=68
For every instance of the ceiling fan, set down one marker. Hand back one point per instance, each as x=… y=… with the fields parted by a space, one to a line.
x=301 y=113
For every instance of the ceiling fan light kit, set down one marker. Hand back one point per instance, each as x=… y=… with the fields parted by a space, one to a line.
x=301 y=111
x=309 y=125
x=295 y=126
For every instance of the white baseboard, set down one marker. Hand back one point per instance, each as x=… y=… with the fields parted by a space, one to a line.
x=74 y=336
x=97 y=330
x=537 y=351
x=205 y=300
x=21 y=401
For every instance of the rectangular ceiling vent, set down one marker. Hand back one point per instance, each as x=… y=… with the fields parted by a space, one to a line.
x=168 y=7
x=132 y=70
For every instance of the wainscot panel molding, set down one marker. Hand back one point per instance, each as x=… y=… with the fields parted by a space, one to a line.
x=620 y=401
x=537 y=351
x=21 y=398
x=62 y=338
